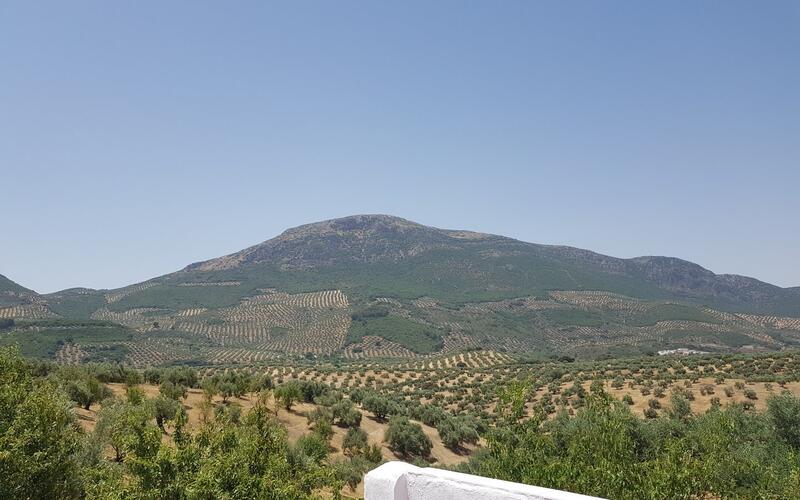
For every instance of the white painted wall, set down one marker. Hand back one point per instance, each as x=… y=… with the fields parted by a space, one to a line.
x=402 y=481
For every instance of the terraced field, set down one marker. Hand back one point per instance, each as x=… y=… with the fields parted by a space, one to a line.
x=70 y=354
x=120 y=294
x=27 y=311
x=270 y=324
x=291 y=323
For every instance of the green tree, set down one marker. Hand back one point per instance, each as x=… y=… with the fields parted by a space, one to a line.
x=288 y=394
x=173 y=391
x=456 y=431
x=164 y=408
x=87 y=390
x=345 y=414
x=127 y=429
x=406 y=438
x=784 y=412
x=379 y=406
x=355 y=441
x=39 y=446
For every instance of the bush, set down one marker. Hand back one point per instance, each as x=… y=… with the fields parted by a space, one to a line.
x=680 y=408
x=355 y=441
x=345 y=414
x=311 y=390
x=379 y=406
x=164 y=408
x=288 y=394
x=86 y=391
x=406 y=438
x=312 y=446
x=172 y=391
x=784 y=412
x=455 y=431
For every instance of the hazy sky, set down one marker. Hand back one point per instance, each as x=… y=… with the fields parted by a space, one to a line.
x=138 y=137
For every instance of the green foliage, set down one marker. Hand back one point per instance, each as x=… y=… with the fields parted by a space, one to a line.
x=378 y=405
x=604 y=450
x=126 y=428
x=355 y=441
x=784 y=412
x=416 y=337
x=288 y=394
x=176 y=392
x=680 y=408
x=311 y=390
x=345 y=414
x=262 y=383
x=313 y=446
x=370 y=312
x=229 y=384
x=165 y=408
x=406 y=438
x=672 y=312
x=86 y=391
x=182 y=375
x=456 y=431
x=351 y=471
x=41 y=339
x=39 y=439
x=574 y=317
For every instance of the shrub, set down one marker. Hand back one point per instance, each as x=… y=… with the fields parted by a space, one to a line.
x=288 y=394
x=172 y=391
x=406 y=438
x=379 y=406
x=455 y=431
x=784 y=412
x=87 y=390
x=312 y=446
x=355 y=441
x=164 y=408
x=345 y=414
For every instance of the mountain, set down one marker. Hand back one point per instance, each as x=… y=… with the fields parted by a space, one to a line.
x=382 y=286
x=381 y=240
x=8 y=287
x=15 y=295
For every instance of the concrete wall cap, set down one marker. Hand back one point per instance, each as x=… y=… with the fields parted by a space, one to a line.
x=402 y=481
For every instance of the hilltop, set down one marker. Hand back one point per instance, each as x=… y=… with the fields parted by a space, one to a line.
x=383 y=286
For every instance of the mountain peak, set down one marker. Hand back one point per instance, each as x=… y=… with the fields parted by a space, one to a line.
x=356 y=238
x=360 y=224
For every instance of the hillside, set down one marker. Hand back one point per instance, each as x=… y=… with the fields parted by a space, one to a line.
x=12 y=293
x=18 y=301
x=381 y=286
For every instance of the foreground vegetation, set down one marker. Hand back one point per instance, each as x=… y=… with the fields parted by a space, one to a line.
x=605 y=450
x=197 y=433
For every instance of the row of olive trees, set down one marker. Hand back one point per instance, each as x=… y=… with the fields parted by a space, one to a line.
x=605 y=450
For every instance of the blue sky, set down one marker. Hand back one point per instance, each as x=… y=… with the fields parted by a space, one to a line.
x=138 y=137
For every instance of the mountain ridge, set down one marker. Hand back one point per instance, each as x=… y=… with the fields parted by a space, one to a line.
x=383 y=286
